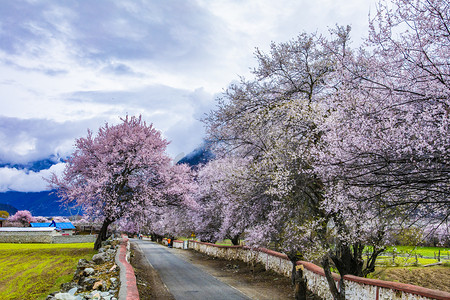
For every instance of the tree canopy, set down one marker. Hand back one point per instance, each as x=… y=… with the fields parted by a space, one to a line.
x=120 y=171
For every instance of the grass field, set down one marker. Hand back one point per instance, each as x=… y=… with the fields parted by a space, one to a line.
x=422 y=251
x=32 y=271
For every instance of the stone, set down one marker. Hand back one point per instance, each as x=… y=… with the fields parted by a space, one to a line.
x=82 y=263
x=64 y=296
x=87 y=283
x=99 y=285
x=100 y=258
x=72 y=291
x=78 y=274
x=113 y=268
x=65 y=287
x=51 y=296
x=88 y=271
x=113 y=281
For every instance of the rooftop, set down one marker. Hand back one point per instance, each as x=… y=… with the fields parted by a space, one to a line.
x=61 y=225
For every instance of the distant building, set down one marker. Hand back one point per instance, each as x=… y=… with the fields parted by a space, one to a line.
x=1 y=221
x=65 y=228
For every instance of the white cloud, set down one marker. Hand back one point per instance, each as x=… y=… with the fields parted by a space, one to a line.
x=12 y=179
x=69 y=66
x=28 y=140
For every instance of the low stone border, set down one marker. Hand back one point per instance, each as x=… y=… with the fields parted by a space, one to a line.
x=128 y=288
x=43 y=235
x=357 y=287
x=94 y=279
x=69 y=239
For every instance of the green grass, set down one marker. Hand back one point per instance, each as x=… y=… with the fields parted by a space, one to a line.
x=422 y=251
x=32 y=271
x=403 y=261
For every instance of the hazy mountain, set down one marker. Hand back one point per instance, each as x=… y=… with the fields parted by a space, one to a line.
x=200 y=155
x=9 y=208
x=39 y=204
x=34 y=166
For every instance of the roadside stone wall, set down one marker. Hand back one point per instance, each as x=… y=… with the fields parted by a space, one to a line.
x=26 y=237
x=177 y=244
x=44 y=238
x=270 y=259
x=356 y=287
x=318 y=285
x=68 y=239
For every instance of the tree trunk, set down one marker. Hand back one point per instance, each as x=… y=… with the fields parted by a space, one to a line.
x=370 y=267
x=298 y=279
x=102 y=234
x=299 y=282
x=235 y=240
x=337 y=294
x=348 y=259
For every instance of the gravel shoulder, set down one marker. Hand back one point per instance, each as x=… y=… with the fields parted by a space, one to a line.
x=150 y=285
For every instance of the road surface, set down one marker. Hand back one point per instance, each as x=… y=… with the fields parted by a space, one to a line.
x=184 y=280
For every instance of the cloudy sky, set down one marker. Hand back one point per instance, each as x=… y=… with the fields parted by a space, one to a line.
x=66 y=66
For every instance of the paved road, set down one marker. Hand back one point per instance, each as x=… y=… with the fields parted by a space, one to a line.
x=184 y=280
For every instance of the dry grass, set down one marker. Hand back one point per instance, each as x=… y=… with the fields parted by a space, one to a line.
x=32 y=271
x=436 y=277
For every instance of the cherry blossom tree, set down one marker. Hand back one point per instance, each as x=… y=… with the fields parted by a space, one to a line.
x=40 y=219
x=121 y=171
x=389 y=128
x=22 y=216
x=277 y=122
x=347 y=146
x=60 y=219
x=387 y=136
x=227 y=203
x=272 y=121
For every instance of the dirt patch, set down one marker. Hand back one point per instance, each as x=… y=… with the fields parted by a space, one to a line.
x=148 y=282
x=436 y=278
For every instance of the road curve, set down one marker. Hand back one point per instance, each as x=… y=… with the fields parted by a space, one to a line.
x=184 y=280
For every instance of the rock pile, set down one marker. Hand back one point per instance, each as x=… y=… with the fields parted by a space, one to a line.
x=97 y=279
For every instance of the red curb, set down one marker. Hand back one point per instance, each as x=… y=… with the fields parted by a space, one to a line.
x=132 y=291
